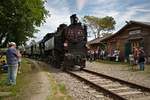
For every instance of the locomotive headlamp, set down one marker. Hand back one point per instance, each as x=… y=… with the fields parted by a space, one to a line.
x=65 y=44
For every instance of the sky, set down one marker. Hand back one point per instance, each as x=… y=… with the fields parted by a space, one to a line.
x=120 y=10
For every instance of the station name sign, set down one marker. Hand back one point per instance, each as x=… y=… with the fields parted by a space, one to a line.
x=134 y=32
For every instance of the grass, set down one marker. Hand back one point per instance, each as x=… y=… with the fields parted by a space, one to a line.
x=22 y=82
x=3 y=49
x=58 y=91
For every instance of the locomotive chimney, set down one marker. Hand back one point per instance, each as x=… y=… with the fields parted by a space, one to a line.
x=73 y=19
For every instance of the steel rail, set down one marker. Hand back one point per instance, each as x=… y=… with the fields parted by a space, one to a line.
x=142 y=88
x=98 y=88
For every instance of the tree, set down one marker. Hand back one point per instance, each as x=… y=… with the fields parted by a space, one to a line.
x=19 y=19
x=100 y=25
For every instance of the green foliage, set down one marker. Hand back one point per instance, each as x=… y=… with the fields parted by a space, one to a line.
x=102 y=46
x=106 y=34
x=100 y=25
x=19 y=19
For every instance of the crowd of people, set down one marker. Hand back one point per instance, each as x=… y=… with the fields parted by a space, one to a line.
x=96 y=54
x=103 y=55
x=12 y=66
x=137 y=57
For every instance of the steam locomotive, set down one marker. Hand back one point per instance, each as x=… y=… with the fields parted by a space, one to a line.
x=64 y=48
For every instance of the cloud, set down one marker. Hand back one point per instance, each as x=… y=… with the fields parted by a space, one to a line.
x=80 y=4
x=140 y=8
x=59 y=12
x=102 y=8
x=104 y=13
x=128 y=14
x=133 y=12
x=121 y=11
x=104 y=1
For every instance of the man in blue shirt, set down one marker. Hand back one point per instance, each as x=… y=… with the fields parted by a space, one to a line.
x=12 y=61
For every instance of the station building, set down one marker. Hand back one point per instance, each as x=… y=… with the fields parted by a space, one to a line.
x=133 y=34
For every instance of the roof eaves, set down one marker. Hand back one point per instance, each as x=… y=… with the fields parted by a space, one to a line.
x=141 y=23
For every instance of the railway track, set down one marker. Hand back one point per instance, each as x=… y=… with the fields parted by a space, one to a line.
x=112 y=87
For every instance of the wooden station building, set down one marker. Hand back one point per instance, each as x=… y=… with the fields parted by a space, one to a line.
x=133 y=34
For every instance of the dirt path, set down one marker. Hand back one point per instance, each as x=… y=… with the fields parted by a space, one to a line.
x=36 y=82
x=39 y=86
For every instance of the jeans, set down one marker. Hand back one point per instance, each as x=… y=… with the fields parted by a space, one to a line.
x=12 y=74
x=141 y=64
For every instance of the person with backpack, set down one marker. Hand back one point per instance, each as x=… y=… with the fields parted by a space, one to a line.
x=141 y=59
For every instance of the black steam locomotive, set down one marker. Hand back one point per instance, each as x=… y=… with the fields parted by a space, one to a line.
x=64 y=48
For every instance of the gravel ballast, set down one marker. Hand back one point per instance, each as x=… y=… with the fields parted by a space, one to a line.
x=80 y=91
x=77 y=89
x=122 y=71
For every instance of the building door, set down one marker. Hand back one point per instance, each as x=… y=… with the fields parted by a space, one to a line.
x=128 y=49
x=137 y=43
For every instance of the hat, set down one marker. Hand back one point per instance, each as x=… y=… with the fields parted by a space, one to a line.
x=12 y=43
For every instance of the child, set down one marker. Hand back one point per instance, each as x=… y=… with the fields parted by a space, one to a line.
x=19 y=61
